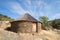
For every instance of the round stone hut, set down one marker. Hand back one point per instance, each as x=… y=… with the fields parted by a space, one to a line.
x=26 y=24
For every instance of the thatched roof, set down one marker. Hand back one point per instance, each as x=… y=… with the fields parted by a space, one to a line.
x=26 y=17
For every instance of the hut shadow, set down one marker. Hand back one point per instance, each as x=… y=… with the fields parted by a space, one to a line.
x=9 y=29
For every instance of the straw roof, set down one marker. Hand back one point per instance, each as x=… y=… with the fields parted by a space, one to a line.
x=27 y=17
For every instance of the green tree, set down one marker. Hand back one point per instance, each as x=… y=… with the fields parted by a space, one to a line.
x=44 y=21
x=56 y=23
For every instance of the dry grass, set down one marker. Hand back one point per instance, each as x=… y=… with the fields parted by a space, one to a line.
x=48 y=35
x=6 y=35
x=43 y=35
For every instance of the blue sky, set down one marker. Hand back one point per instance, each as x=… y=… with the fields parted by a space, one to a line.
x=36 y=8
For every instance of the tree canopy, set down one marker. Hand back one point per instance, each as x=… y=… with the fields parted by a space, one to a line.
x=49 y=24
x=55 y=23
x=44 y=21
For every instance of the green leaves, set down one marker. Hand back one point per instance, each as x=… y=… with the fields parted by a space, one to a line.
x=44 y=21
x=56 y=23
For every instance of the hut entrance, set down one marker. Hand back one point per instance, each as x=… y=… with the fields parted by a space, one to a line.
x=34 y=27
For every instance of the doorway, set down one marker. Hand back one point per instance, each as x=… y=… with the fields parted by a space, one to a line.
x=34 y=27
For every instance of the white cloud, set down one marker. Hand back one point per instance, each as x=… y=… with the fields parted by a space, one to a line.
x=32 y=6
x=15 y=7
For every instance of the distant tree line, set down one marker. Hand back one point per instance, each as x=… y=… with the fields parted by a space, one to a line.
x=5 y=18
x=53 y=24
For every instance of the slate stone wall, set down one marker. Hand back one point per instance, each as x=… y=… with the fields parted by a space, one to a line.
x=39 y=27
x=25 y=27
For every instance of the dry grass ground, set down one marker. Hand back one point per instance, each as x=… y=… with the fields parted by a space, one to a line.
x=7 y=35
x=43 y=35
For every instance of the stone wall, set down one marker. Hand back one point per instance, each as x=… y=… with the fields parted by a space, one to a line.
x=22 y=27
x=34 y=26
x=25 y=27
x=39 y=27
x=14 y=26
